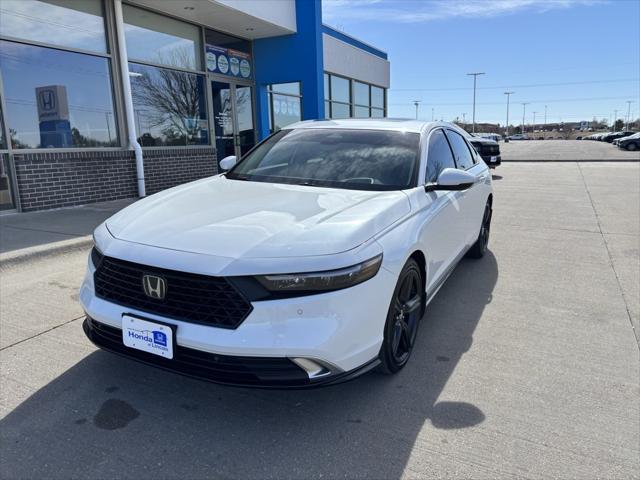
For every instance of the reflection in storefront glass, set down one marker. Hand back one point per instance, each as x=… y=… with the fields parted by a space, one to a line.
x=56 y=99
x=169 y=106
x=69 y=24
x=6 y=197
x=158 y=39
x=244 y=107
x=286 y=110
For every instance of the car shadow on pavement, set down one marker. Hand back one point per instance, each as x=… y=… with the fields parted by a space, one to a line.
x=111 y=417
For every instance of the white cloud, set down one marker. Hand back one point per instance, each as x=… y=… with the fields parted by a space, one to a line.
x=417 y=11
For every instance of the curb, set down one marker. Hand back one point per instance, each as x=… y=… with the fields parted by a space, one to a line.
x=17 y=257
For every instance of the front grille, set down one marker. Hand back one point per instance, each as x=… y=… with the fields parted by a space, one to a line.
x=228 y=369
x=189 y=297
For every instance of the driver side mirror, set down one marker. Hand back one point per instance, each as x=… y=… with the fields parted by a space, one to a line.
x=227 y=163
x=451 y=179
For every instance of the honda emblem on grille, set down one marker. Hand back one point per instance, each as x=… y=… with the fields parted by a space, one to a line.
x=154 y=287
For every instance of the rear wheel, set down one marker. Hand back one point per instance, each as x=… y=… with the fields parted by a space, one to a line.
x=405 y=311
x=632 y=146
x=480 y=247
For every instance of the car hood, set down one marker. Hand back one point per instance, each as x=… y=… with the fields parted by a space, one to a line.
x=240 y=219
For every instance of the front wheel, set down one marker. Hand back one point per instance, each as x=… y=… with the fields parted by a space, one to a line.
x=632 y=147
x=479 y=248
x=405 y=311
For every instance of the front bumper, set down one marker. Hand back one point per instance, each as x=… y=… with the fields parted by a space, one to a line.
x=263 y=372
x=340 y=330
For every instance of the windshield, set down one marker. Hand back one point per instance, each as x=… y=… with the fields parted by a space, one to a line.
x=338 y=158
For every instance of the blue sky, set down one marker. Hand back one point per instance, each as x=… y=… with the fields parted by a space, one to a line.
x=588 y=49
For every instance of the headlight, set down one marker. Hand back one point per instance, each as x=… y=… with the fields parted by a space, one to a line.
x=322 y=281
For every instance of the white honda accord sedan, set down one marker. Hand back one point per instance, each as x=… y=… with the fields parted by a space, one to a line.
x=308 y=262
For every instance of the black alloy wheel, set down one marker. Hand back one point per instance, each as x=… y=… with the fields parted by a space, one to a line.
x=405 y=311
x=480 y=247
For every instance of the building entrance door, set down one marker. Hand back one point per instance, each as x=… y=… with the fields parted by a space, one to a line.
x=233 y=123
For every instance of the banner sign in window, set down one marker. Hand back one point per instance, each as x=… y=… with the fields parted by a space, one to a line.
x=228 y=62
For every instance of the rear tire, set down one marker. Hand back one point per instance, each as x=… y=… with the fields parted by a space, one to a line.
x=632 y=147
x=403 y=318
x=480 y=247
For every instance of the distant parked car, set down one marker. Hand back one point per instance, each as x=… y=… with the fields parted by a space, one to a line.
x=610 y=137
x=578 y=138
x=488 y=149
x=631 y=143
x=519 y=136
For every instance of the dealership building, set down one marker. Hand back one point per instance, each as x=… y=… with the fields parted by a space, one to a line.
x=109 y=99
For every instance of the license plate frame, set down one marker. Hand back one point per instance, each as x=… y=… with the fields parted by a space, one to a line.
x=151 y=336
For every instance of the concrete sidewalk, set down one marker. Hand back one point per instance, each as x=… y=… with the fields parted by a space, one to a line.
x=39 y=233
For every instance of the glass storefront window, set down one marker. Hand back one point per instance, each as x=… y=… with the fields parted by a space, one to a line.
x=227 y=41
x=169 y=106
x=57 y=99
x=377 y=97
x=340 y=110
x=360 y=112
x=292 y=88
x=327 y=109
x=6 y=192
x=326 y=86
x=285 y=105
x=163 y=40
x=361 y=94
x=3 y=145
x=286 y=110
x=340 y=89
x=377 y=113
x=66 y=23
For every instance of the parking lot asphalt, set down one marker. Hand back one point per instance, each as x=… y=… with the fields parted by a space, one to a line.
x=526 y=366
x=564 y=150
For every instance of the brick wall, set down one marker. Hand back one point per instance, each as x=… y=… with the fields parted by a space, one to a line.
x=62 y=179
x=165 y=168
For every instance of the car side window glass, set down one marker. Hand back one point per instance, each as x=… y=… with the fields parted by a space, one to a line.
x=439 y=156
x=464 y=159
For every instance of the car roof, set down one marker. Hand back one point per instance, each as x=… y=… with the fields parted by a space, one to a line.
x=394 y=124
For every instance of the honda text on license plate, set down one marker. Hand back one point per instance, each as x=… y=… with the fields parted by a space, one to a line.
x=147 y=336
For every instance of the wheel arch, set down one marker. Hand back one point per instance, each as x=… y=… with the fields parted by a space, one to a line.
x=420 y=258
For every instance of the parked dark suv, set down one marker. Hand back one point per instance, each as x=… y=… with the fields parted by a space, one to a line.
x=489 y=150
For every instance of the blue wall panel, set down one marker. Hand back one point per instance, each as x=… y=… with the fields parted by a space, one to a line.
x=292 y=58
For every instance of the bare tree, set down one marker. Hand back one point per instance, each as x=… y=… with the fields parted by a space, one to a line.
x=171 y=99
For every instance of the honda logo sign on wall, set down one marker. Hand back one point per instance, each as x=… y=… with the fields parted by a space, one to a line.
x=154 y=287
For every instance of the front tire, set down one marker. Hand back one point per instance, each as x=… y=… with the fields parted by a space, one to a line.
x=479 y=248
x=632 y=147
x=405 y=311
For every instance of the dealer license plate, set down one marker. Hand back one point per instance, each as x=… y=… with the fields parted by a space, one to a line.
x=147 y=336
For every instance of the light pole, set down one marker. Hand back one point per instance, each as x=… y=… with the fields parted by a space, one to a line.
x=417 y=103
x=629 y=102
x=615 y=117
x=432 y=117
x=524 y=109
x=464 y=118
x=545 y=119
x=475 y=76
x=534 y=121
x=508 y=94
